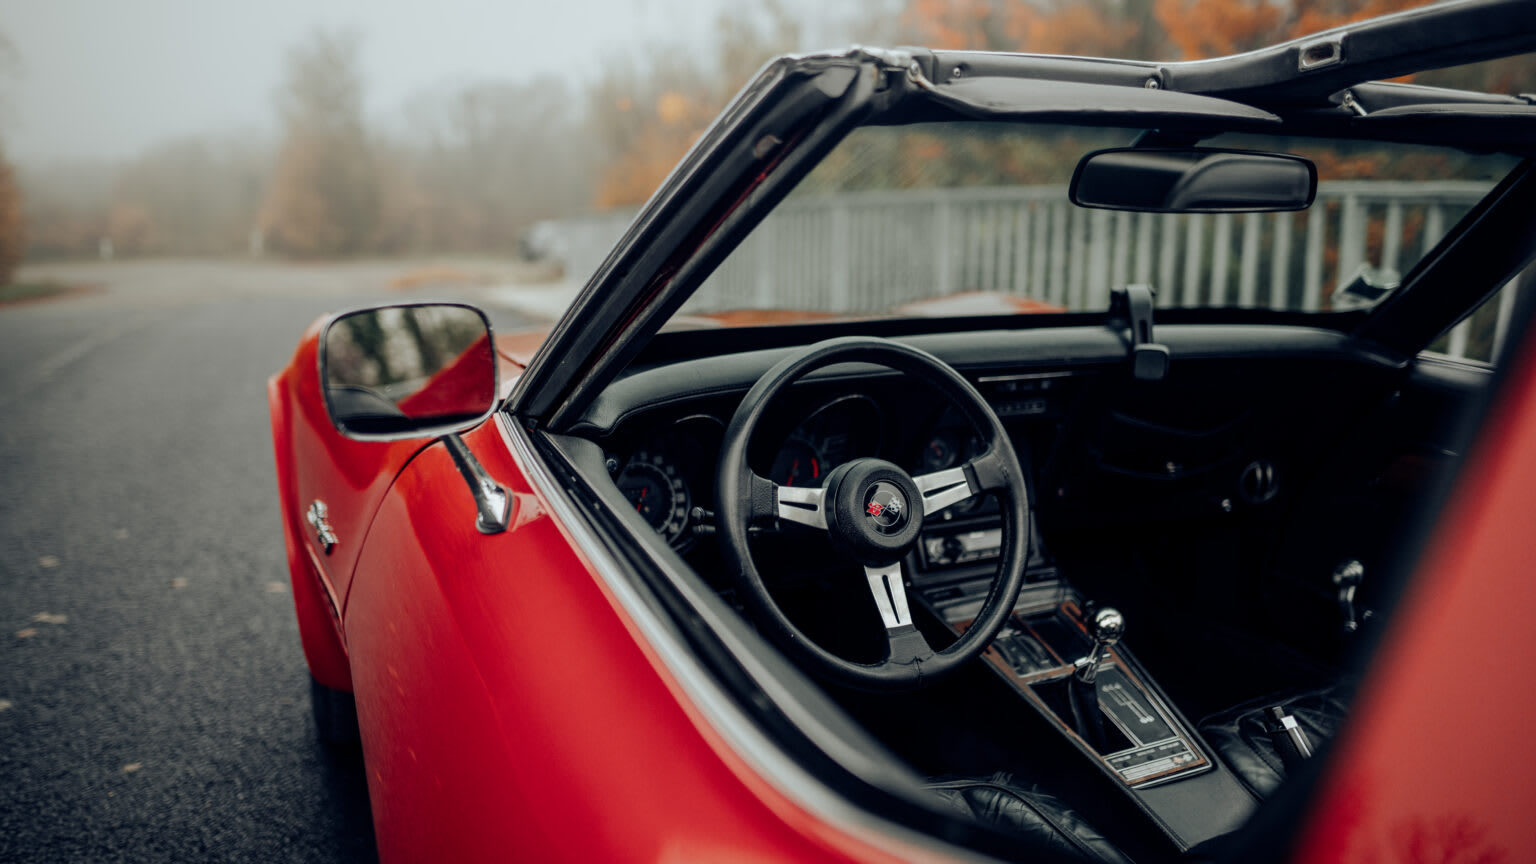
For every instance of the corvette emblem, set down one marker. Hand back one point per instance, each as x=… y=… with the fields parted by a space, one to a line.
x=886 y=508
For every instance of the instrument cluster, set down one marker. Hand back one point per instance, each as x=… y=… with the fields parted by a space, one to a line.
x=670 y=474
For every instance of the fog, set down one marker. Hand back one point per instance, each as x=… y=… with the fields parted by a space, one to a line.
x=108 y=79
x=353 y=128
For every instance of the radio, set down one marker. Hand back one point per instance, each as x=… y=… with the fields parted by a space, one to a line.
x=955 y=546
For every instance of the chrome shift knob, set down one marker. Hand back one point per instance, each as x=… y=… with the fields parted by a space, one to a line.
x=1105 y=628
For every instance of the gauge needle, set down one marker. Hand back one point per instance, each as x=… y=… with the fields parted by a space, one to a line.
x=790 y=481
x=640 y=504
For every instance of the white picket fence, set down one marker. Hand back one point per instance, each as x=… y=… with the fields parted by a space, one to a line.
x=871 y=251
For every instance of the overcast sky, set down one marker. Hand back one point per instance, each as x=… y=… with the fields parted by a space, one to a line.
x=107 y=78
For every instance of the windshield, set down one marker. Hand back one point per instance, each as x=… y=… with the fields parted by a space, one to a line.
x=973 y=219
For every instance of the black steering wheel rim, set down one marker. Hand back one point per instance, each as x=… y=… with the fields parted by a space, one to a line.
x=744 y=499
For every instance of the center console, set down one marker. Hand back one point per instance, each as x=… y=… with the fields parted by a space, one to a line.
x=1118 y=718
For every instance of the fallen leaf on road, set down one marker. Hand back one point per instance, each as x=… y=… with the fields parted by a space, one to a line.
x=276 y=588
x=132 y=767
x=48 y=561
x=179 y=582
x=50 y=618
x=26 y=633
x=5 y=704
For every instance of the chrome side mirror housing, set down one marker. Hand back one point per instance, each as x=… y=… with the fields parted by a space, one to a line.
x=414 y=370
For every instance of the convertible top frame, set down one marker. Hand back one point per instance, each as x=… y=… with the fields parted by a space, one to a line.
x=799 y=106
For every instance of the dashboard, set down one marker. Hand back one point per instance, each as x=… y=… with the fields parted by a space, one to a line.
x=1108 y=456
x=664 y=460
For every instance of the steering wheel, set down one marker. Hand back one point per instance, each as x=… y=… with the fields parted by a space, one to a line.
x=873 y=512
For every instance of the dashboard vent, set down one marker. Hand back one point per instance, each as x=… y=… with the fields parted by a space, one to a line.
x=1259 y=482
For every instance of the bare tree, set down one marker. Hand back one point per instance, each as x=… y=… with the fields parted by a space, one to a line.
x=13 y=229
x=13 y=233
x=323 y=198
x=484 y=161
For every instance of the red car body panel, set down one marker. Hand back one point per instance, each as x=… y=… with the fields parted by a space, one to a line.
x=317 y=463
x=529 y=686
x=1436 y=764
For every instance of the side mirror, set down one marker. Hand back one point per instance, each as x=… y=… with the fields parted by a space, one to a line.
x=415 y=370
x=1193 y=180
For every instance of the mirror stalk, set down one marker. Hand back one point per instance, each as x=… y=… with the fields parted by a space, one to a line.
x=492 y=502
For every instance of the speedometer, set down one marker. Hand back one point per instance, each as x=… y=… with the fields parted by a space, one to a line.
x=653 y=487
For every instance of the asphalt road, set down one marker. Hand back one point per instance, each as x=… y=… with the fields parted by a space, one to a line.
x=153 y=694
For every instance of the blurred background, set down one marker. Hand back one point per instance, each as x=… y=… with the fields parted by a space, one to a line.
x=186 y=184
x=348 y=129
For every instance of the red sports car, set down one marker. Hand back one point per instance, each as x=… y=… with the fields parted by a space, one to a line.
x=968 y=456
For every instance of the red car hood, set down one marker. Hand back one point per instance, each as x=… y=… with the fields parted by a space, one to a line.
x=514 y=350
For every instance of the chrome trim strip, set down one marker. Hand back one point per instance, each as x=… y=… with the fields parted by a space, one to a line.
x=426 y=434
x=734 y=727
x=1024 y=376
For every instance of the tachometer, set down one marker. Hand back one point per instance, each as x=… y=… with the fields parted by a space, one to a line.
x=799 y=463
x=653 y=487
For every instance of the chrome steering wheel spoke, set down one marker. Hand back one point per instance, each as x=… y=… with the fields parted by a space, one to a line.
x=943 y=488
x=805 y=505
x=951 y=486
x=890 y=595
x=906 y=642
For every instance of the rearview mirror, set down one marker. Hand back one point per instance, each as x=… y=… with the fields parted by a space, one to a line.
x=1193 y=180
x=408 y=371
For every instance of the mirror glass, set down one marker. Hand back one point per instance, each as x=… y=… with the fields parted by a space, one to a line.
x=1193 y=180
x=413 y=370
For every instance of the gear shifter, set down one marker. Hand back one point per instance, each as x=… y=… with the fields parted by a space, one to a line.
x=1105 y=627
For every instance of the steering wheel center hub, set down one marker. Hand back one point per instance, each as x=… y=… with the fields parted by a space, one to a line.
x=875 y=510
x=886 y=507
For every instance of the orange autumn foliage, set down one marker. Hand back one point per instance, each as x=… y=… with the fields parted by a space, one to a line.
x=1150 y=29
x=1212 y=28
x=1071 y=28
x=1089 y=27
x=659 y=137
x=956 y=23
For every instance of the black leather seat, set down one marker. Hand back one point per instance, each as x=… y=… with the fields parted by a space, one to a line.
x=998 y=801
x=1240 y=735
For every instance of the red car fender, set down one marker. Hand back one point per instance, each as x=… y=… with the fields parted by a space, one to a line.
x=509 y=710
x=319 y=614
x=1436 y=764
x=323 y=465
x=314 y=462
